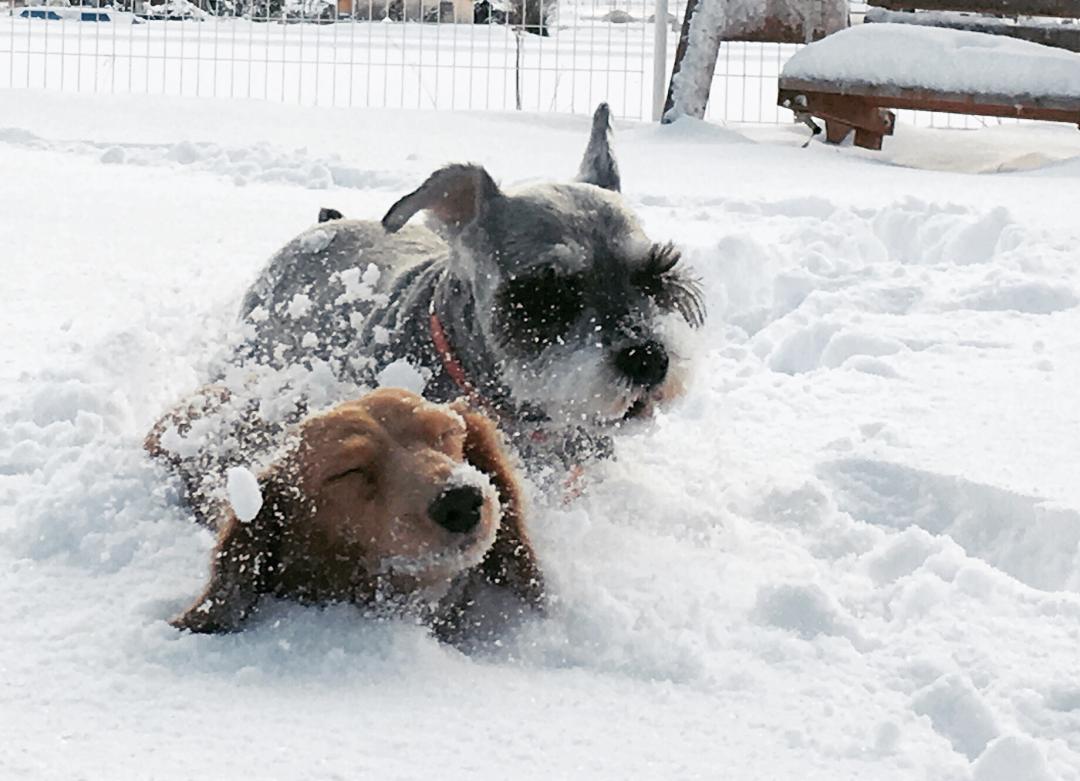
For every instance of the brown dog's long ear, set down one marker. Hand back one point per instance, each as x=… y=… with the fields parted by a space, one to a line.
x=484 y=450
x=456 y=195
x=598 y=165
x=244 y=563
x=509 y=567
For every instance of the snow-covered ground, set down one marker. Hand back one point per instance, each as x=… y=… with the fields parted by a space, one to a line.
x=851 y=552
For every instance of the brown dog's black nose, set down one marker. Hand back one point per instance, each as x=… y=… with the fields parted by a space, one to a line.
x=457 y=509
x=644 y=364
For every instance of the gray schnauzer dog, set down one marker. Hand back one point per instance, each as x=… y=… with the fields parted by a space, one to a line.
x=548 y=306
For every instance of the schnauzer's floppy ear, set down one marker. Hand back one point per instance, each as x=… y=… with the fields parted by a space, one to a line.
x=598 y=166
x=456 y=195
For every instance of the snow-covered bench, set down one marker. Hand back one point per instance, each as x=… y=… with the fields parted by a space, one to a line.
x=851 y=78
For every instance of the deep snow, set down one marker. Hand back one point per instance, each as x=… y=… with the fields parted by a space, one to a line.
x=850 y=552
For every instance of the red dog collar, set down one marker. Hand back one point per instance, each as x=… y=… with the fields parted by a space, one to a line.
x=452 y=365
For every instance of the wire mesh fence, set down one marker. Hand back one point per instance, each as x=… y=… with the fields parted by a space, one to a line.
x=563 y=57
x=533 y=55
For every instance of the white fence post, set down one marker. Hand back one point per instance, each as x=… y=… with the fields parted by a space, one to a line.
x=659 y=87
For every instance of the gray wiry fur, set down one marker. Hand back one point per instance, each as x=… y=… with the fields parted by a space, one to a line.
x=546 y=295
x=598 y=166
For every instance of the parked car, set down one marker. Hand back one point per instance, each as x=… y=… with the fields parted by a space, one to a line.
x=56 y=13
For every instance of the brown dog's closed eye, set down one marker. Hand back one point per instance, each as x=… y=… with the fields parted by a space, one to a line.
x=386 y=500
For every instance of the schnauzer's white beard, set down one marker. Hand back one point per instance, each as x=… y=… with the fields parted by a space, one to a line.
x=581 y=387
x=572 y=386
x=682 y=344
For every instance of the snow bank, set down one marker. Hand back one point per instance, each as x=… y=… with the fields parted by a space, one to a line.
x=910 y=56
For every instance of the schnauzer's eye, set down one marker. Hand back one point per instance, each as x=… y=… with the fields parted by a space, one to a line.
x=664 y=282
x=540 y=308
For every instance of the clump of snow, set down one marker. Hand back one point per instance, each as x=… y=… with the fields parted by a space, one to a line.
x=185 y=152
x=359 y=285
x=848 y=344
x=806 y=504
x=316 y=240
x=465 y=474
x=945 y=60
x=901 y=556
x=801 y=351
x=959 y=713
x=1010 y=758
x=299 y=306
x=243 y=491
x=803 y=609
x=114 y=155
x=371 y=275
x=402 y=374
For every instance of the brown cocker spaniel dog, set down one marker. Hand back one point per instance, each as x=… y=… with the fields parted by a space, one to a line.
x=389 y=502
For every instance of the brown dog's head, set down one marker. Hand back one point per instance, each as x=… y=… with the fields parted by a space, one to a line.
x=386 y=479
x=384 y=501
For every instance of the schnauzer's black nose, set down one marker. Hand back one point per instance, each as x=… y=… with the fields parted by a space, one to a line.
x=645 y=363
x=457 y=509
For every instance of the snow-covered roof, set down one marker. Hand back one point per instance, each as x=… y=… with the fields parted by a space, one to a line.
x=951 y=61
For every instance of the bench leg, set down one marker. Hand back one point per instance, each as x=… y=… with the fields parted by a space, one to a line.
x=842 y=114
x=867 y=139
x=835 y=132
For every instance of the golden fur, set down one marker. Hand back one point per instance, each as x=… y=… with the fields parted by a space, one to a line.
x=345 y=517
